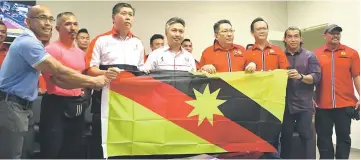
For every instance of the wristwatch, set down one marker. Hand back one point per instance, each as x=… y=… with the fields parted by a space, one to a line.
x=301 y=77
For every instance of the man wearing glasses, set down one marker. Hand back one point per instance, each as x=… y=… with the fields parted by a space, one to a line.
x=223 y=55
x=263 y=56
x=19 y=78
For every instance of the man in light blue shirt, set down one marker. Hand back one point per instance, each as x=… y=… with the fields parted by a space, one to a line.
x=19 y=78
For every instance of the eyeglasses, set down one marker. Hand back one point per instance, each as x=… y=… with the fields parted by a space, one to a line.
x=45 y=18
x=130 y=14
x=227 y=31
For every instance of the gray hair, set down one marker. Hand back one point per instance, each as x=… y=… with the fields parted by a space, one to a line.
x=60 y=15
x=174 y=20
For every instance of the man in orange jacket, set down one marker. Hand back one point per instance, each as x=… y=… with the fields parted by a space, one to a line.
x=335 y=97
x=223 y=55
x=263 y=56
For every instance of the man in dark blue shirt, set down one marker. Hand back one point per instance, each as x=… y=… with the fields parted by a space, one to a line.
x=303 y=74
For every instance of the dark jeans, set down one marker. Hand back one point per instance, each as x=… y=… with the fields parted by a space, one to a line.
x=325 y=119
x=60 y=136
x=14 y=120
x=96 y=150
x=302 y=121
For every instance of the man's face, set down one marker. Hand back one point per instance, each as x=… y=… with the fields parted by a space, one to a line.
x=293 y=39
x=188 y=46
x=333 y=37
x=41 y=24
x=124 y=18
x=68 y=27
x=225 y=34
x=3 y=31
x=260 y=30
x=83 y=40
x=157 y=43
x=175 y=34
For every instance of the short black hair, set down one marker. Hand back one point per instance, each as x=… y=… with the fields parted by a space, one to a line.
x=154 y=37
x=292 y=28
x=118 y=6
x=83 y=30
x=257 y=20
x=186 y=40
x=217 y=24
x=249 y=45
x=63 y=14
x=2 y=23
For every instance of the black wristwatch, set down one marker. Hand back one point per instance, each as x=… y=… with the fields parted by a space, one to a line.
x=301 y=77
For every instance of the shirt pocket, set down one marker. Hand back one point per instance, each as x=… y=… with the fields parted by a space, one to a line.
x=343 y=62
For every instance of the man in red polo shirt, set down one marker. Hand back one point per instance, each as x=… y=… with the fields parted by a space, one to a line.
x=62 y=110
x=263 y=56
x=3 y=47
x=335 y=98
x=223 y=55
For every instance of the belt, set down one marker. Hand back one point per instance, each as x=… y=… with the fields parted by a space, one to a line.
x=126 y=67
x=13 y=98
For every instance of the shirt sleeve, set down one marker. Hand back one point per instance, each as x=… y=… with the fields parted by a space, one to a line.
x=193 y=63
x=93 y=54
x=203 y=60
x=314 y=68
x=283 y=61
x=141 y=56
x=151 y=62
x=33 y=52
x=355 y=66
x=246 y=58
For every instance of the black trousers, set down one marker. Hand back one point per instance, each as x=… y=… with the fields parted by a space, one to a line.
x=302 y=122
x=96 y=151
x=60 y=136
x=324 y=122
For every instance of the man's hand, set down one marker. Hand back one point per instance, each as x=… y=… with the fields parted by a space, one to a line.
x=293 y=74
x=209 y=68
x=42 y=91
x=112 y=72
x=251 y=67
x=357 y=105
x=101 y=81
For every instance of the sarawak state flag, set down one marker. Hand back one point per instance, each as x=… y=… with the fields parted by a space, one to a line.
x=169 y=112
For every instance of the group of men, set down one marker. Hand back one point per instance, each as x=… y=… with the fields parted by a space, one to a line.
x=68 y=67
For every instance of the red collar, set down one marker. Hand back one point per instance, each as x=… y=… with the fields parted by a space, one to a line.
x=116 y=33
x=216 y=46
x=255 y=46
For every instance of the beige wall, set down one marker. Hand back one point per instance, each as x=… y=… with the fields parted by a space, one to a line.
x=344 y=13
x=200 y=16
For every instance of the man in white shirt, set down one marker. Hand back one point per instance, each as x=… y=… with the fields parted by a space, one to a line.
x=172 y=56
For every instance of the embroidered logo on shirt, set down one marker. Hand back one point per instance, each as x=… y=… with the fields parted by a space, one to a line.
x=237 y=53
x=161 y=58
x=271 y=52
x=186 y=59
x=343 y=53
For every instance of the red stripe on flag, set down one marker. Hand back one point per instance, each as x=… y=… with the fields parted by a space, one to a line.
x=170 y=103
